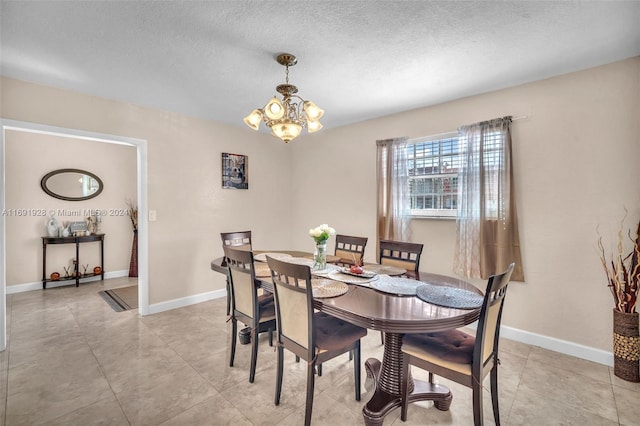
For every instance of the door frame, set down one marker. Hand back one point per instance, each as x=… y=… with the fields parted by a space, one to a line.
x=141 y=186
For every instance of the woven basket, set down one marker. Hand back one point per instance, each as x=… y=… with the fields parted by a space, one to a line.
x=626 y=346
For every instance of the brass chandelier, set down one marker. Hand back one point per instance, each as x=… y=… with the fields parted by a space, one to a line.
x=288 y=117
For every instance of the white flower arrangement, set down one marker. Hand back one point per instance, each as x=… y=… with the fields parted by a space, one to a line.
x=321 y=234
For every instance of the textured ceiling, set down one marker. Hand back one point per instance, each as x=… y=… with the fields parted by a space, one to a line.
x=356 y=59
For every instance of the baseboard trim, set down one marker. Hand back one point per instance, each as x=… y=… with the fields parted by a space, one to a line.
x=21 y=288
x=557 y=345
x=186 y=301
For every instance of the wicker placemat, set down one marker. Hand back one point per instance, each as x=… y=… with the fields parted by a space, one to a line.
x=262 y=270
x=262 y=257
x=323 y=288
x=396 y=285
x=449 y=297
x=384 y=269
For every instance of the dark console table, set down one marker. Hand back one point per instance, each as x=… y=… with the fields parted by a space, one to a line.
x=76 y=275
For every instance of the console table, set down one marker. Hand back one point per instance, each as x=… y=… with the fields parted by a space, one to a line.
x=77 y=241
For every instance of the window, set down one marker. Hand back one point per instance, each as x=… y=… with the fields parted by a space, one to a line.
x=433 y=164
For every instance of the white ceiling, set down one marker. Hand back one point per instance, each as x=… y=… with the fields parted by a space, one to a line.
x=356 y=59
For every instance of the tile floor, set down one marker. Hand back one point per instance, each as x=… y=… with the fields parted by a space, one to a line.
x=72 y=360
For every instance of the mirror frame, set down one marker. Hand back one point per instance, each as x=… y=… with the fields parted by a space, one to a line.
x=43 y=184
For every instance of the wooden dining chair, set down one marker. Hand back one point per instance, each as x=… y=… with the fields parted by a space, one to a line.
x=460 y=357
x=256 y=312
x=401 y=254
x=316 y=337
x=350 y=249
x=240 y=240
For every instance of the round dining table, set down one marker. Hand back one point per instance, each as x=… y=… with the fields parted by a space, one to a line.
x=395 y=316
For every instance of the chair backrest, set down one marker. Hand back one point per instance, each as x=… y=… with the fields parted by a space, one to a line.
x=294 y=306
x=240 y=240
x=400 y=254
x=488 y=332
x=350 y=249
x=242 y=280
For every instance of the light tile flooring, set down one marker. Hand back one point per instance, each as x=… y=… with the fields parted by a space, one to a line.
x=72 y=360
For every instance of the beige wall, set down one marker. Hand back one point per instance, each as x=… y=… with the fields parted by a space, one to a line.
x=29 y=156
x=576 y=167
x=184 y=180
x=575 y=157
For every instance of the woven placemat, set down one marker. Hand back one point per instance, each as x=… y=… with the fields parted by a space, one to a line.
x=262 y=270
x=449 y=297
x=323 y=288
x=262 y=257
x=398 y=286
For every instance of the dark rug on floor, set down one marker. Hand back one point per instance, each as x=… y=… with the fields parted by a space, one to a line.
x=121 y=299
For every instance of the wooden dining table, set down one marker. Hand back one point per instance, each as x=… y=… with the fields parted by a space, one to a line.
x=395 y=316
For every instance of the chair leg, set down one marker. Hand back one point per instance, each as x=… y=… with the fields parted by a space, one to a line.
x=319 y=367
x=254 y=353
x=494 y=394
x=271 y=337
x=228 y=297
x=234 y=336
x=382 y=337
x=279 y=370
x=297 y=358
x=405 y=387
x=357 y=369
x=310 y=387
x=350 y=355
x=476 y=386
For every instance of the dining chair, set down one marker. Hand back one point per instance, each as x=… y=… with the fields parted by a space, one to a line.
x=240 y=240
x=350 y=249
x=256 y=312
x=459 y=356
x=316 y=337
x=401 y=254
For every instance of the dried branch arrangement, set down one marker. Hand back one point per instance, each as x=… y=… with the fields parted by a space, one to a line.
x=623 y=270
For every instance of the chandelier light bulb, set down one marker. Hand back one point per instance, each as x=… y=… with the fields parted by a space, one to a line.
x=313 y=112
x=313 y=126
x=253 y=120
x=274 y=109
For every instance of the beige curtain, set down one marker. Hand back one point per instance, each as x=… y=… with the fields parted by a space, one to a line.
x=394 y=212
x=487 y=238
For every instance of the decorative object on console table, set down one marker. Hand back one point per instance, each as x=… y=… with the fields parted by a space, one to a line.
x=133 y=215
x=623 y=276
x=52 y=226
x=320 y=235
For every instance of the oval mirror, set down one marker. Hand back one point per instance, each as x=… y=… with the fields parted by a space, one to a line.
x=71 y=184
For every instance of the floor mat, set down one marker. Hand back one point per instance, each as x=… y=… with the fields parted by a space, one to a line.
x=121 y=299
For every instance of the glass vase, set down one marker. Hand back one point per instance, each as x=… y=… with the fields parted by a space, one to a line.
x=320 y=257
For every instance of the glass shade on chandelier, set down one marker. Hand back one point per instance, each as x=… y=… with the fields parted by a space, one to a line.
x=288 y=117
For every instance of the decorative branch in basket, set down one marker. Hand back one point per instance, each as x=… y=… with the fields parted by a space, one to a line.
x=623 y=270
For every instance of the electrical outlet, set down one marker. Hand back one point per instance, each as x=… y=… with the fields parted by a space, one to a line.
x=152 y=216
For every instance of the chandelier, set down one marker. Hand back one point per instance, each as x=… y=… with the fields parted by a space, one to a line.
x=288 y=117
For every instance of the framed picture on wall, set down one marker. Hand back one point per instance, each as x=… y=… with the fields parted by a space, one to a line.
x=235 y=171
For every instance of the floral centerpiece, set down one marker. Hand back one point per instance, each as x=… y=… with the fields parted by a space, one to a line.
x=623 y=279
x=320 y=235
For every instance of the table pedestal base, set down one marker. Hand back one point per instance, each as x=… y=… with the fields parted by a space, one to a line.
x=387 y=380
